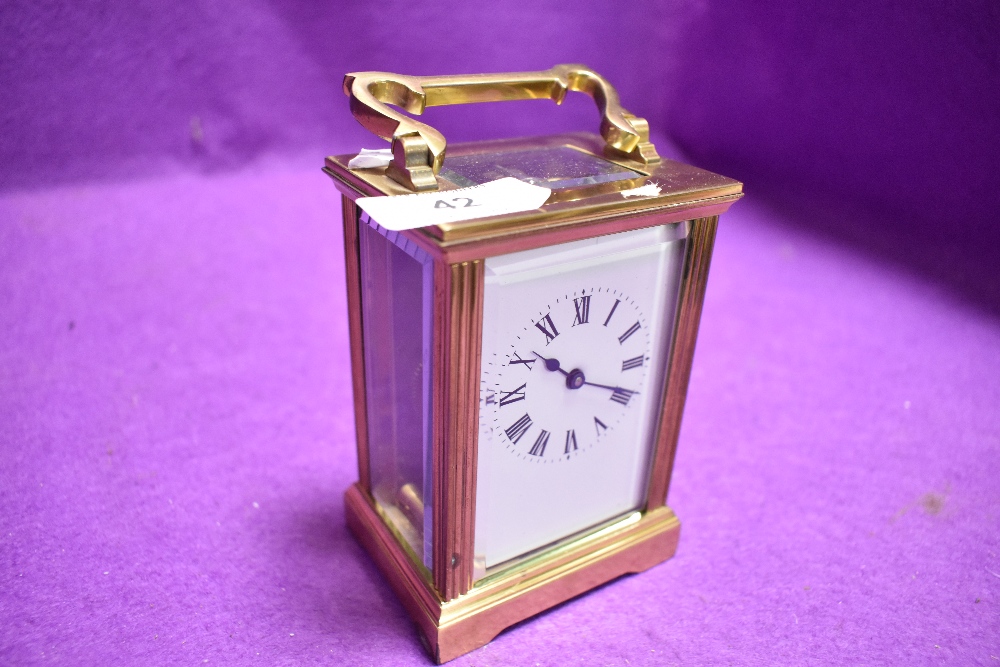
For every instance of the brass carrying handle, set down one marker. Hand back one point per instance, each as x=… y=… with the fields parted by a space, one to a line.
x=418 y=149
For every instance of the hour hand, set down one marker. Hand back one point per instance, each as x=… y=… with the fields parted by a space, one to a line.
x=550 y=364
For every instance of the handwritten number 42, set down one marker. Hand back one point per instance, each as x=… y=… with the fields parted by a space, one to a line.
x=440 y=203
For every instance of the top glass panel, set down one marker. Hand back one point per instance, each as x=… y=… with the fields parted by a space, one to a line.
x=556 y=168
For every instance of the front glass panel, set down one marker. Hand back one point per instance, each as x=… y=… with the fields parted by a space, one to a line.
x=396 y=322
x=575 y=344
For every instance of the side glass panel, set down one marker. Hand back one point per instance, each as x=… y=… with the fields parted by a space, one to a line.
x=396 y=284
x=576 y=339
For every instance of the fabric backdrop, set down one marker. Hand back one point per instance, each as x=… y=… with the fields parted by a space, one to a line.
x=175 y=424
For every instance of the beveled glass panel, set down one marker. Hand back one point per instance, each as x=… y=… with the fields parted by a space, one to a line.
x=553 y=167
x=576 y=340
x=396 y=289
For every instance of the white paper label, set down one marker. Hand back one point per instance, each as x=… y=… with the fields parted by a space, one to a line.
x=370 y=158
x=648 y=190
x=507 y=195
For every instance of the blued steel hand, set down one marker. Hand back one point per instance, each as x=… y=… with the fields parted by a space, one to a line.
x=602 y=386
x=575 y=378
x=550 y=364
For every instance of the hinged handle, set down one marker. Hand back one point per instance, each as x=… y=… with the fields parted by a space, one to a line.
x=418 y=149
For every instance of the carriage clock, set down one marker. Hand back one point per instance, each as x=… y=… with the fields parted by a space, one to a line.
x=519 y=370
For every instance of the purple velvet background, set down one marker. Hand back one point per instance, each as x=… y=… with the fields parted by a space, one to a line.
x=175 y=424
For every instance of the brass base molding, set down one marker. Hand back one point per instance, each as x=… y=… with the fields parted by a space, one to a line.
x=472 y=620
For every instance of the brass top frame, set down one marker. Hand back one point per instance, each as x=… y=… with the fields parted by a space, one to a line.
x=567 y=216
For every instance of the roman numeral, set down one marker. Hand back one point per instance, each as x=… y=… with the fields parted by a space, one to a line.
x=508 y=397
x=518 y=428
x=631 y=330
x=619 y=396
x=570 y=442
x=599 y=426
x=538 y=448
x=582 y=306
x=546 y=326
x=634 y=362
x=491 y=398
x=518 y=360
x=617 y=301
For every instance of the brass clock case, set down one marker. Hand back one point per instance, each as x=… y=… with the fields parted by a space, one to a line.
x=457 y=608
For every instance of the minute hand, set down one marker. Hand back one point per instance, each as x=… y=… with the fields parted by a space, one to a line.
x=618 y=395
x=605 y=386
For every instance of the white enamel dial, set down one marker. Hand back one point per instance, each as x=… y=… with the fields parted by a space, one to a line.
x=569 y=377
x=575 y=341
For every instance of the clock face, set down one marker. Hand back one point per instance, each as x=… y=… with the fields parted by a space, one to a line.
x=575 y=340
x=569 y=377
